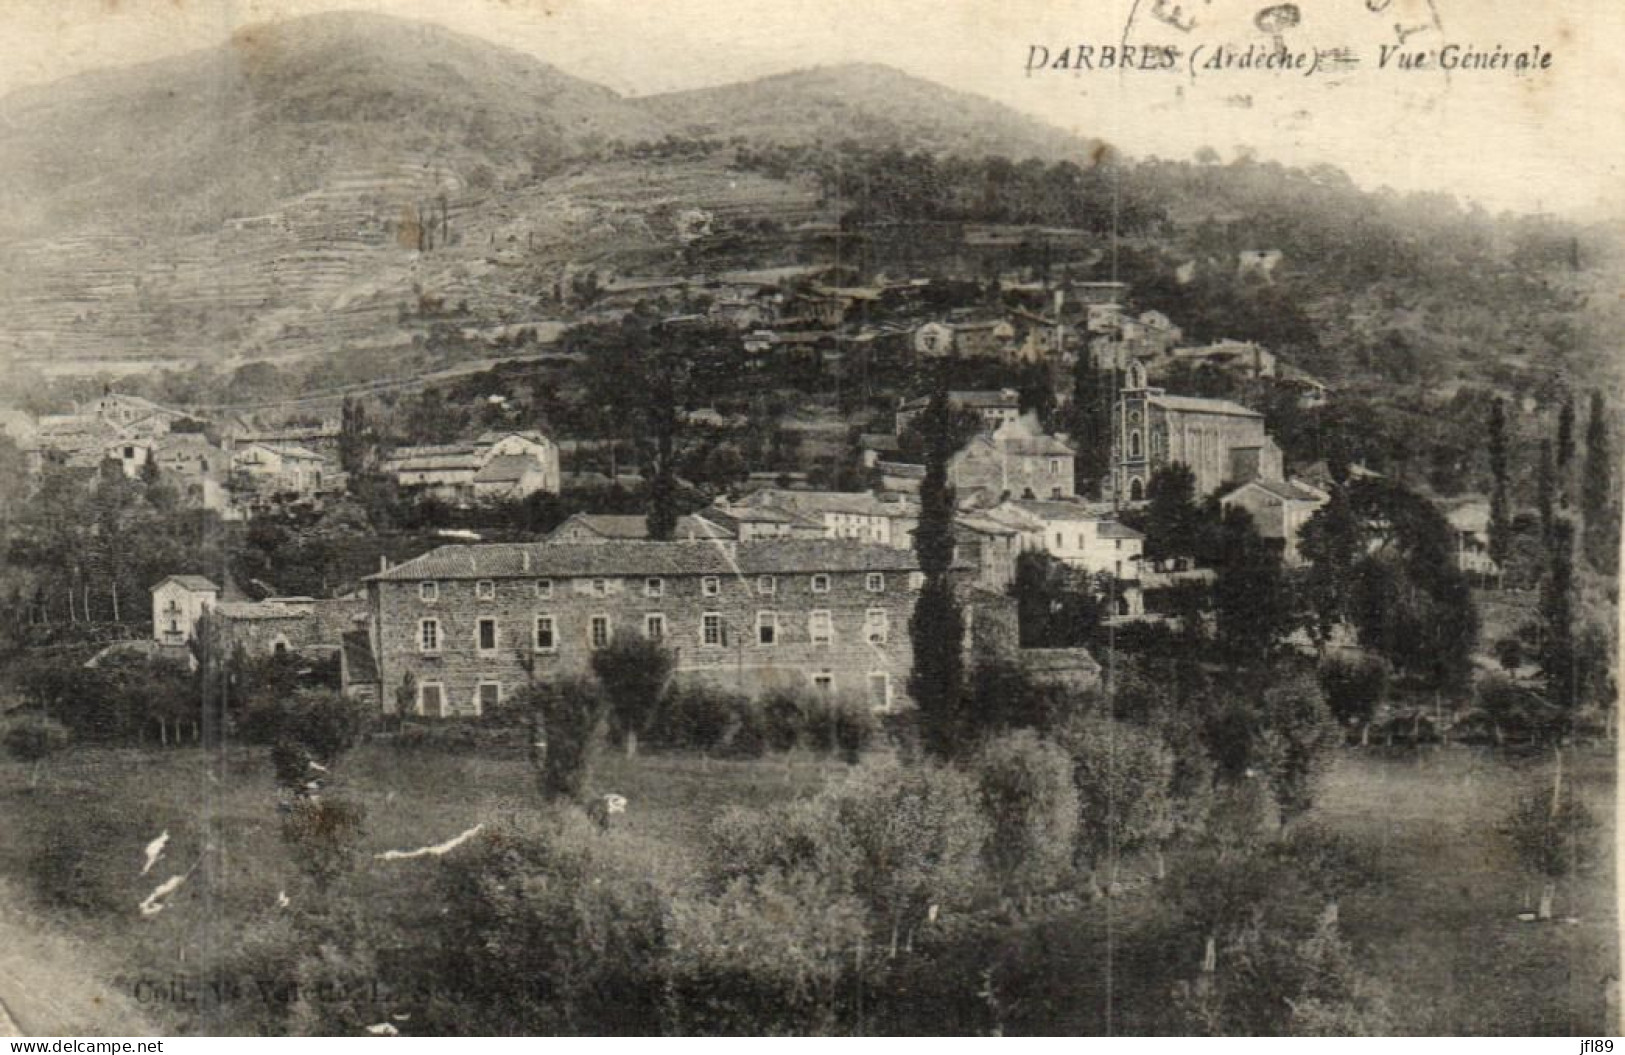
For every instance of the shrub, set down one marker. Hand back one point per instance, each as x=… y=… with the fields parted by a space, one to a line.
x=322 y=836
x=773 y=957
x=747 y=737
x=1123 y=775
x=551 y=926
x=1026 y=791
x=324 y=723
x=784 y=718
x=800 y=836
x=1553 y=839
x=697 y=717
x=855 y=728
x=34 y=738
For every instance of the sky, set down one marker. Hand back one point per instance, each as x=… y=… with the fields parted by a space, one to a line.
x=1551 y=140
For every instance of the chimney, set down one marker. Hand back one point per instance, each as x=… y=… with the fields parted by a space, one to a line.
x=383 y=562
x=524 y=560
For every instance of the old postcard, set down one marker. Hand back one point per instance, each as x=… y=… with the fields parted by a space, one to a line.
x=761 y=517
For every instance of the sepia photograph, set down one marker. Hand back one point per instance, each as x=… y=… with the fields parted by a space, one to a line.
x=911 y=518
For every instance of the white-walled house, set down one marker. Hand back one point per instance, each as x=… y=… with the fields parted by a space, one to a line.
x=1280 y=509
x=177 y=604
x=1087 y=537
x=280 y=468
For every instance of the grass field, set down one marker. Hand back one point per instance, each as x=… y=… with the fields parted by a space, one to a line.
x=1440 y=930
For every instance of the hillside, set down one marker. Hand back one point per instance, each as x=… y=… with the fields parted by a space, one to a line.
x=181 y=145
x=869 y=104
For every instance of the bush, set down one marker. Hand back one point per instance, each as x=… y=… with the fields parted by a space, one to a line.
x=322 y=836
x=570 y=712
x=805 y=836
x=34 y=738
x=1123 y=775
x=551 y=926
x=747 y=737
x=633 y=672
x=1031 y=805
x=917 y=834
x=324 y=723
x=1552 y=839
x=698 y=717
x=784 y=717
x=855 y=729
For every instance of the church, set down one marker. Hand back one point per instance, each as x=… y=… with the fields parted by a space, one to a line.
x=1221 y=441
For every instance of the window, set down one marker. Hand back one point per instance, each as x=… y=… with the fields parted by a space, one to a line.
x=654 y=587
x=654 y=626
x=819 y=627
x=1059 y=543
x=487 y=696
x=486 y=635
x=824 y=683
x=544 y=589
x=428 y=591
x=710 y=586
x=767 y=628
x=820 y=584
x=429 y=635
x=600 y=587
x=1134 y=444
x=545 y=639
x=431 y=699
x=876 y=624
x=880 y=691
x=1080 y=541
x=1055 y=467
x=875 y=582
x=598 y=631
x=766 y=584
x=485 y=590
x=711 y=630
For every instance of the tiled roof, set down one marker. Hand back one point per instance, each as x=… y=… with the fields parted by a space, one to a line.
x=1283 y=490
x=634 y=527
x=490 y=438
x=1034 y=447
x=614 y=559
x=507 y=468
x=191 y=582
x=906 y=470
x=1061 y=510
x=850 y=503
x=1195 y=405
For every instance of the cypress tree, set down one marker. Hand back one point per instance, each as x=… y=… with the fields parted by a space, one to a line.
x=1557 y=615
x=937 y=626
x=1092 y=396
x=1597 y=490
x=1500 y=505
x=1545 y=483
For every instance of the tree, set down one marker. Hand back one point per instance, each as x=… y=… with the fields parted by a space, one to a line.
x=937 y=626
x=1553 y=833
x=1295 y=744
x=1055 y=608
x=1565 y=435
x=1546 y=485
x=1251 y=602
x=1032 y=808
x=1122 y=774
x=1172 y=520
x=1500 y=502
x=1354 y=689
x=567 y=715
x=633 y=672
x=1557 y=656
x=1093 y=393
x=1597 y=505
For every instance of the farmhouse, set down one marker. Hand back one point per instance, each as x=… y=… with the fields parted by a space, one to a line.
x=460 y=628
x=178 y=602
x=995 y=408
x=496 y=466
x=1017 y=459
x=280 y=469
x=608 y=527
x=844 y=514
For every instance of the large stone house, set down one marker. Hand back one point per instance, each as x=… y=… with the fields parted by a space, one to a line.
x=995 y=408
x=1222 y=442
x=280 y=470
x=461 y=628
x=1016 y=460
x=633 y=527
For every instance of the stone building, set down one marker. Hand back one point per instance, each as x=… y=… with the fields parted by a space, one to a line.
x=1280 y=509
x=496 y=466
x=1222 y=442
x=1016 y=460
x=463 y=627
x=855 y=515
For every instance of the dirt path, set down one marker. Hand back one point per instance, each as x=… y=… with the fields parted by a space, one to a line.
x=49 y=984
